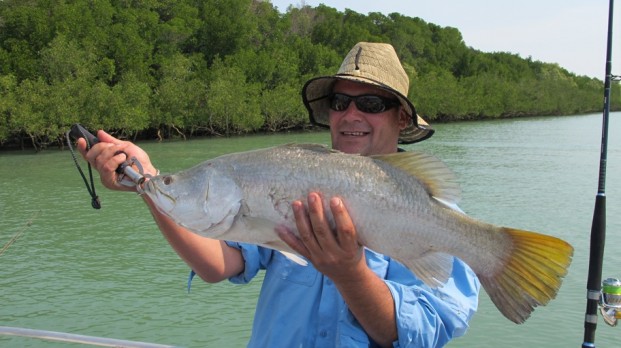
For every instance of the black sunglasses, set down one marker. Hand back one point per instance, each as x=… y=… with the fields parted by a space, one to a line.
x=369 y=103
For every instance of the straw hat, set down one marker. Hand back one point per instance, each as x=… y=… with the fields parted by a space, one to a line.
x=375 y=64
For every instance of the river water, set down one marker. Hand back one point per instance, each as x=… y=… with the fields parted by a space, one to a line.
x=110 y=273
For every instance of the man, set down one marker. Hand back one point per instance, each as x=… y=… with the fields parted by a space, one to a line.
x=350 y=296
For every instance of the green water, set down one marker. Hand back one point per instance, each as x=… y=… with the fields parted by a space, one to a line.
x=110 y=273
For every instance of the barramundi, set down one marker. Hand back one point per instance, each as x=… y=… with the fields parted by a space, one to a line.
x=403 y=205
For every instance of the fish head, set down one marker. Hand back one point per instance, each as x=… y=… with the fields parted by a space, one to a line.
x=200 y=199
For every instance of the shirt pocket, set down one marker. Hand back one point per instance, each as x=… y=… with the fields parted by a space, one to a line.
x=290 y=271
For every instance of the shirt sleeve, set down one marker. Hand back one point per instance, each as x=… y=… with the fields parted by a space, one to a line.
x=255 y=259
x=429 y=317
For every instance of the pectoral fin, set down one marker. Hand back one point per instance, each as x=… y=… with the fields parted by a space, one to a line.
x=432 y=268
x=295 y=258
x=282 y=246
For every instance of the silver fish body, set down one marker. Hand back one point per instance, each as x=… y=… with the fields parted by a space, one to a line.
x=402 y=205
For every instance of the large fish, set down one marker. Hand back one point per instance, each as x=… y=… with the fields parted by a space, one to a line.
x=403 y=205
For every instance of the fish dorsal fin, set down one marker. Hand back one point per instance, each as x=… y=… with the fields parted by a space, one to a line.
x=437 y=178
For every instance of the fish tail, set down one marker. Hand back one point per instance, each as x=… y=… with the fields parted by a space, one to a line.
x=531 y=276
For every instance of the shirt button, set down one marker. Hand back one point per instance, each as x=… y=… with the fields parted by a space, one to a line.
x=323 y=333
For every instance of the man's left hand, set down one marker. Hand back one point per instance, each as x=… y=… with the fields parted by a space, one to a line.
x=335 y=253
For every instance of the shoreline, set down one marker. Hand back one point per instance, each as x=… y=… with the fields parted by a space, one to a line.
x=24 y=143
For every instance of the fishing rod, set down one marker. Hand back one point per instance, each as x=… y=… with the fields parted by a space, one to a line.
x=608 y=300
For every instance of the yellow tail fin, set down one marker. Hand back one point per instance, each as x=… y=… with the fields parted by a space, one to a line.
x=531 y=276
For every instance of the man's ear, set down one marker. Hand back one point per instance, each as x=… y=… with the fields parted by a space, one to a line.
x=404 y=119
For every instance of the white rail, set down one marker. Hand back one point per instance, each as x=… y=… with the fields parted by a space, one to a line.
x=73 y=338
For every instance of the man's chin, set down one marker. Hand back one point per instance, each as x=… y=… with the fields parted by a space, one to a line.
x=352 y=148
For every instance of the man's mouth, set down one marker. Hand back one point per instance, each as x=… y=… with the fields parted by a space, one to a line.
x=354 y=134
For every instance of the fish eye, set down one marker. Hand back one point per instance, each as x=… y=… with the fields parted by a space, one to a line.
x=168 y=180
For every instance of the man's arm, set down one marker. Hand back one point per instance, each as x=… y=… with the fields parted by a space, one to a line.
x=340 y=257
x=211 y=259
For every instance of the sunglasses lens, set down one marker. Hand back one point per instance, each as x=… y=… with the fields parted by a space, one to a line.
x=340 y=102
x=371 y=104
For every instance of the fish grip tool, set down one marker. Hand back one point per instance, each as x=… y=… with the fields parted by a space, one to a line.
x=128 y=176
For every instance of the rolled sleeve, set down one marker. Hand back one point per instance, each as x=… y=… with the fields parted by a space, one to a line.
x=252 y=262
x=432 y=317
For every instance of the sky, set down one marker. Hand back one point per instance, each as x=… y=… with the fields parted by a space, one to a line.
x=571 y=33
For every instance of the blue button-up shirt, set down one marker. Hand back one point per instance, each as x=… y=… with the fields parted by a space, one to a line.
x=300 y=307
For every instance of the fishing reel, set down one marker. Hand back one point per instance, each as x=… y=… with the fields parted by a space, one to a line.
x=610 y=301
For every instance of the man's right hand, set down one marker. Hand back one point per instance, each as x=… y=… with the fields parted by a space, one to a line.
x=107 y=155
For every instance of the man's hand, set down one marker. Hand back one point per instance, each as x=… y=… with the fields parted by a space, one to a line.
x=335 y=253
x=108 y=154
x=338 y=255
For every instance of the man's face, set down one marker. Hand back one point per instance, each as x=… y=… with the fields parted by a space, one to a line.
x=357 y=132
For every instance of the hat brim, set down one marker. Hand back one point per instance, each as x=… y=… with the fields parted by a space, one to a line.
x=315 y=97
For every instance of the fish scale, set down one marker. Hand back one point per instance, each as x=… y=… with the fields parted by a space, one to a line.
x=403 y=206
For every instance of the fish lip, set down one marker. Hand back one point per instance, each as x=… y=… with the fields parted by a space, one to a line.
x=148 y=187
x=152 y=189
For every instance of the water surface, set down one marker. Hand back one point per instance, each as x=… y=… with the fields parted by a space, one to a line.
x=110 y=273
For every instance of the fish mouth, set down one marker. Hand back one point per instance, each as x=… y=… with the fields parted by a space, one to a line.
x=148 y=187
x=164 y=201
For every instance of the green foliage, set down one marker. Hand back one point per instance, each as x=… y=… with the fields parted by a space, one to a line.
x=281 y=108
x=178 y=68
x=232 y=102
x=179 y=99
x=226 y=27
x=8 y=104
